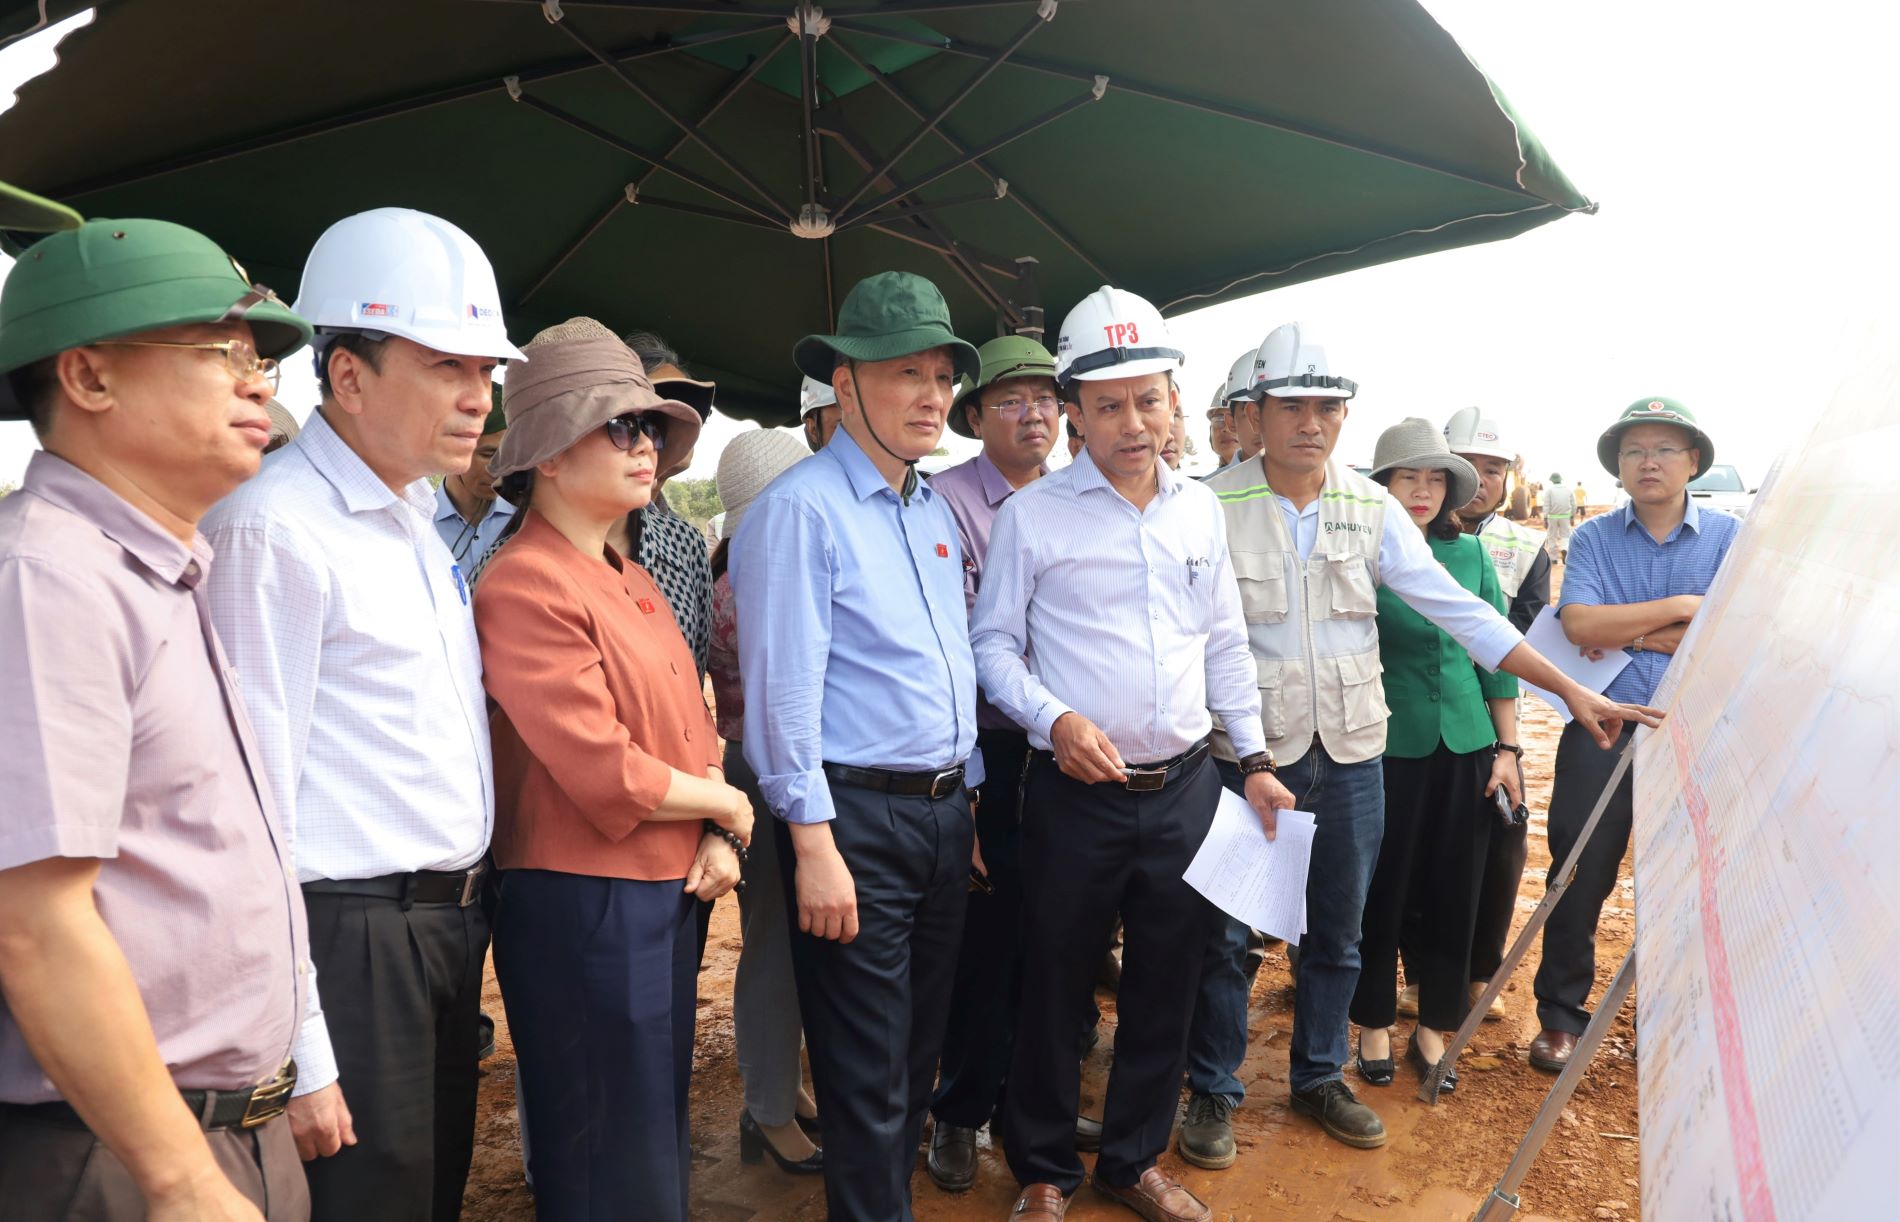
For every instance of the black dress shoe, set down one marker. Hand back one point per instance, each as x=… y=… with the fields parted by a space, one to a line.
x=754 y=1145
x=485 y=1037
x=1088 y=1135
x=952 y=1158
x=1417 y=1060
x=809 y=1126
x=1377 y=1072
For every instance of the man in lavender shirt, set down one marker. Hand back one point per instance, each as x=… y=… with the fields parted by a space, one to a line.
x=152 y=945
x=1013 y=410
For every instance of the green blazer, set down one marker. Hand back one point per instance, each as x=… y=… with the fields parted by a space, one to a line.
x=1436 y=692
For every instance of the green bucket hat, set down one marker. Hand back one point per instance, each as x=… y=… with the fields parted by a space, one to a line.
x=108 y=279
x=1653 y=411
x=1007 y=356
x=885 y=316
x=497 y=419
x=25 y=212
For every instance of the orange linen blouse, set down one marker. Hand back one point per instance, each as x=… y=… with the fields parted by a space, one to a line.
x=593 y=696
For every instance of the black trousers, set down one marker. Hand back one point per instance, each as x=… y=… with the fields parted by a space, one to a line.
x=600 y=979
x=1498 y=884
x=1088 y=852
x=1569 y=965
x=982 y=1032
x=875 y=1007
x=1429 y=862
x=401 y=991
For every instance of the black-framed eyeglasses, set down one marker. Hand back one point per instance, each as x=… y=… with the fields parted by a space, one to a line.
x=623 y=430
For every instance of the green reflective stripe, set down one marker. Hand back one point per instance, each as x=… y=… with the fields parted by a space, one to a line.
x=1352 y=497
x=1564 y=516
x=1245 y=494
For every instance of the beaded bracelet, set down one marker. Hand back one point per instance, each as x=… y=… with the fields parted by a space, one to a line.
x=738 y=847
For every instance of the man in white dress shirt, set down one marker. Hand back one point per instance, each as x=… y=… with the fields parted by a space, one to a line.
x=348 y=622
x=1115 y=556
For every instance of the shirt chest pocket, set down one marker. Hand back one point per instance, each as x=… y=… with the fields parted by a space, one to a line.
x=1261 y=577
x=1350 y=593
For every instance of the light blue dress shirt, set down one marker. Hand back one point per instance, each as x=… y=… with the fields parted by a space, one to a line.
x=467 y=543
x=853 y=639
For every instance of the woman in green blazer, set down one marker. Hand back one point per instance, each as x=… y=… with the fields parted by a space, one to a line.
x=1450 y=745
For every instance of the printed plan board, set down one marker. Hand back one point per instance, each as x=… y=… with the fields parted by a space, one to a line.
x=1768 y=852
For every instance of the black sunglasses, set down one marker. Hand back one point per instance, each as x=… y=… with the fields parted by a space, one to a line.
x=621 y=429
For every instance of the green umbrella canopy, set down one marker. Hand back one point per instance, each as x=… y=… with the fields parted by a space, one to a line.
x=653 y=164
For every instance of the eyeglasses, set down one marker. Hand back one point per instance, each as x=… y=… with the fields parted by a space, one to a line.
x=1013 y=409
x=623 y=430
x=239 y=357
x=1637 y=454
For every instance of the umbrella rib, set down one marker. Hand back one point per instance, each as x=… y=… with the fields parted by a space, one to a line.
x=691 y=130
x=807 y=98
x=680 y=172
x=924 y=210
x=950 y=167
x=1030 y=210
x=937 y=231
x=390 y=110
x=995 y=61
x=1138 y=88
x=731 y=91
x=573 y=248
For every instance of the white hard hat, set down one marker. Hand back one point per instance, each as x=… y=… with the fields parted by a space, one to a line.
x=813 y=394
x=1112 y=333
x=1470 y=431
x=396 y=271
x=1239 y=378
x=1287 y=367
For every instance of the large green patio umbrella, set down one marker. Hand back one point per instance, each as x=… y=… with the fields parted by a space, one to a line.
x=721 y=171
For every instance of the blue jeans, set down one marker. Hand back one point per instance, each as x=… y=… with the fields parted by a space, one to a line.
x=1217 y=1042
x=1347 y=802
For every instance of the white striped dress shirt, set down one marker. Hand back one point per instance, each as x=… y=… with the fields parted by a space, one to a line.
x=1129 y=617
x=348 y=623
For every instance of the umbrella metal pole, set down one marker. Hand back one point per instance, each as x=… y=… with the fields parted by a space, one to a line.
x=1428 y=1088
x=1503 y=1202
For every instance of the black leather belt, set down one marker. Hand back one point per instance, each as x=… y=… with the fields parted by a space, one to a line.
x=458 y=887
x=938 y=784
x=1146 y=778
x=215 y=1109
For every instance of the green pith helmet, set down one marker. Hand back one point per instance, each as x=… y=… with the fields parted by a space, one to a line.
x=108 y=279
x=1654 y=411
x=1007 y=356
x=497 y=419
x=1556 y=478
x=25 y=212
x=886 y=316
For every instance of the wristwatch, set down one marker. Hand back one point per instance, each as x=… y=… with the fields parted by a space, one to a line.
x=1259 y=761
x=1637 y=644
x=1513 y=748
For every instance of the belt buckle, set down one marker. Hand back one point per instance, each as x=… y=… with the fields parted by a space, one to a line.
x=1145 y=780
x=470 y=881
x=269 y=1101
x=946 y=782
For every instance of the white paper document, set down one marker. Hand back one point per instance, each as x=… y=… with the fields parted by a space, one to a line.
x=1547 y=637
x=1252 y=879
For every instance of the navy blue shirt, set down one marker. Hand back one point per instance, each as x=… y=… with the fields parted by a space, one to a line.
x=1613 y=561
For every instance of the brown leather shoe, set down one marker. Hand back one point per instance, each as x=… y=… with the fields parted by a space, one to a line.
x=1040 y=1203
x=1551 y=1050
x=1157 y=1198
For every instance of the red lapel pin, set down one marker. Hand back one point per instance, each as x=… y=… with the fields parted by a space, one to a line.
x=646 y=605
x=943 y=549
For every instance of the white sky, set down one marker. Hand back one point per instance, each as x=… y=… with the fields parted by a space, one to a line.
x=1742 y=154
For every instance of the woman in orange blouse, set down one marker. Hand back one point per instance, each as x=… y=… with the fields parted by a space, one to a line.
x=611 y=814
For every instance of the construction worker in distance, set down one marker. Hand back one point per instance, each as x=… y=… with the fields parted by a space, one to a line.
x=1560 y=505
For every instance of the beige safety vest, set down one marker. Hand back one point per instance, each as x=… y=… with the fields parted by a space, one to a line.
x=1312 y=624
x=1512 y=548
